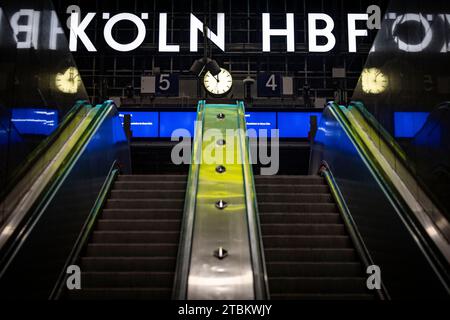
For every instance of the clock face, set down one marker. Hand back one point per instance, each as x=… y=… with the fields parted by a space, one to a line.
x=220 y=84
x=374 y=81
x=69 y=81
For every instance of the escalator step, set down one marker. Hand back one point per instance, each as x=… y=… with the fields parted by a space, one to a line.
x=283 y=241
x=122 y=294
x=269 y=207
x=150 y=185
x=321 y=285
x=316 y=269
x=295 y=197
x=139 y=225
x=128 y=264
x=135 y=236
x=145 y=194
x=132 y=250
x=301 y=218
x=144 y=204
x=127 y=279
x=303 y=229
x=310 y=255
x=152 y=177
x=292 y=188
x=141 y=214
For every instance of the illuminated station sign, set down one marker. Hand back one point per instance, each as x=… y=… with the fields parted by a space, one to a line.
x=320 y=26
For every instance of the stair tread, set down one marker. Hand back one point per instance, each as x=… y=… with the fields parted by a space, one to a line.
x=133 y=250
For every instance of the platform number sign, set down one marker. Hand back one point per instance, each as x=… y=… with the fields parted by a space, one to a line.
x=167 y=85
x=269 y=85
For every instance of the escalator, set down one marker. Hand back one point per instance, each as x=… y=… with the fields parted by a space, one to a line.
x=51 y=195
x=182 y=236
x=392 y=221
x=132 y=251
x=308 y=251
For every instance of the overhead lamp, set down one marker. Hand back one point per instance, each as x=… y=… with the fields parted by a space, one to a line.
x=197 y=67
x=211 y=65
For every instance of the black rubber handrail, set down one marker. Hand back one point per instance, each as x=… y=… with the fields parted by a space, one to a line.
x=349 y=222
x=86 y=231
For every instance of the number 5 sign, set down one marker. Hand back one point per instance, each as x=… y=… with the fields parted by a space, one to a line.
x=167 y=85
x=269 y=84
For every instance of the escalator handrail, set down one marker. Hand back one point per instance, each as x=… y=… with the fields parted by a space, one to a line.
x=86 y=230
x=41 y=149
x=382 y=132
x=260 y=278
x=24 y=226
x=434 y=255
x=180 y=285
x=399 y=153
x=350 y=225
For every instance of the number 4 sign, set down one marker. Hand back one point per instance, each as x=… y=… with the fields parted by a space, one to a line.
x=269 y=85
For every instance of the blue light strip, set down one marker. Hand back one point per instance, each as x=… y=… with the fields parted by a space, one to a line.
x=408 y=124
x=34 y=121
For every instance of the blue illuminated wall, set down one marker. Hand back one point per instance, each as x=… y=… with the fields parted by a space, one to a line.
x=143 y=124
x=296 y=124
x=171 y=121
x=34 y=121
x=408 y=124
x=260 y=120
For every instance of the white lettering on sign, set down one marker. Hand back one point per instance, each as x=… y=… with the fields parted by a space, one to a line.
x=289 y=32
x=217 y=38
x=107 y=32
x=353 y=32
x=326 y=32
x=28 y=25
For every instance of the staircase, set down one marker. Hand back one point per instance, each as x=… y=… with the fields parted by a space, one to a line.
x=132 y=252
x=308 y=252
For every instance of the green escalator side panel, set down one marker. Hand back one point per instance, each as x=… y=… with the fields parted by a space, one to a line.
x=215 y=228
x=228 y=186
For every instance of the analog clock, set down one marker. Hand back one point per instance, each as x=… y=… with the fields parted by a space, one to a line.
x=374 y=81
x=218 y=85
x=69 y=81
